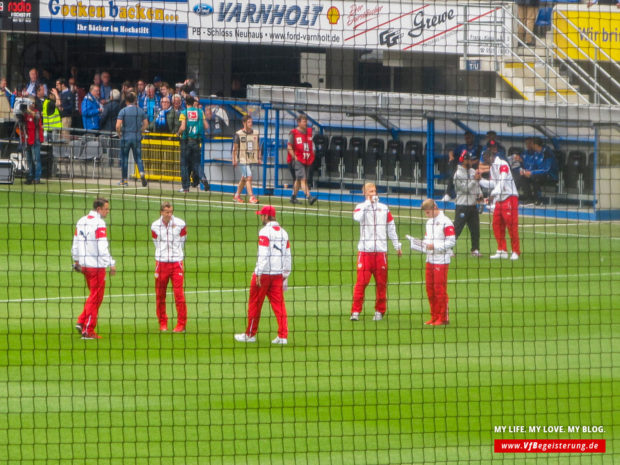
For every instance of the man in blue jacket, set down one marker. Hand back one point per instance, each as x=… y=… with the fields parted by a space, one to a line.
x=91 y=109
x=539 y=168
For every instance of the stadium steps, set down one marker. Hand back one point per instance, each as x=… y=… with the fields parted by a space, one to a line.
x=534 y=80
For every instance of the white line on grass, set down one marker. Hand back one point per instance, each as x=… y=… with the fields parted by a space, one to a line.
x=245 y=289
x=223 y=204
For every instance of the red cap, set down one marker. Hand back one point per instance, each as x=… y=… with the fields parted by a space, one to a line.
x=267 y=210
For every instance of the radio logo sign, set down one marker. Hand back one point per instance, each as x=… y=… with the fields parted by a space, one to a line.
x=20 y=15
x=390 y=37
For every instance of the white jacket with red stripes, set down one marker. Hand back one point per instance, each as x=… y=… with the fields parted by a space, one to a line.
x=440 y=233
x=169 y=239
x=274 y=251
x=90 y=242
x=376 y=225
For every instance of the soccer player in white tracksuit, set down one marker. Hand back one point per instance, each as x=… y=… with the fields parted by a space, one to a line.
x=269 y=279
x=439 y=240
x=376 y=225
x=506 y=212
x=169 y=234
x=91 y=256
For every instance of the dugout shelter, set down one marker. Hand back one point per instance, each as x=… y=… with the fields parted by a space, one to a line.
x=399 y=117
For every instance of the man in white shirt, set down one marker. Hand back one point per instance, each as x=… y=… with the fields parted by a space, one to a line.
x=169 y=234
x=270 y=277
x=506 y=197
x=439 y=240
x=376 y=225
x=91 y=256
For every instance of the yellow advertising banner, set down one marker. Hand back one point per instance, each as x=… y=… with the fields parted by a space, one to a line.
x=599 y=25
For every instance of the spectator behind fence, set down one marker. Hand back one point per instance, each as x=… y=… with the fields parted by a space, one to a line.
x=160 y=123
x=51 y=116
x=105 y=88
x=151 y=103
x=174 y=122
x=66 y=105
x=6 y=92
x=91 y=109
x=539 y=169
x=110 y=111
x=132 y=121
x=34 y=82
x=527 y=11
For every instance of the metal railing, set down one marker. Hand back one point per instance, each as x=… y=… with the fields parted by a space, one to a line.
x=599 y=91
x=551 y=59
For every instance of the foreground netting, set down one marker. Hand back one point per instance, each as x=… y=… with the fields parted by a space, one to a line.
x=436 y=248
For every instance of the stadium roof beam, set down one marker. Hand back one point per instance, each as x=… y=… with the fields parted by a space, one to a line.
x=446 y=107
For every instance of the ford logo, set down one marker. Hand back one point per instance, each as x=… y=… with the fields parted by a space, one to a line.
x=203 y=9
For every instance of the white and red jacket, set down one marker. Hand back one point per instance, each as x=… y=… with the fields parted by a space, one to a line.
x=169 y=240
x=439 y=232
x=274 y=251
x=500 y=180
x=90 y=242
x=376 y=225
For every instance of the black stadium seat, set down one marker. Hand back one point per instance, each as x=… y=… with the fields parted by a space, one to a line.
x=357 y=147
x=576 y=165
x=321 y=144
x=393 y=153
x=440 y=160
x=411 y=155
x=374 y=153
x=337 y=146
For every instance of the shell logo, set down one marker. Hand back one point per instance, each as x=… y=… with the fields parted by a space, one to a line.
x=333 y=15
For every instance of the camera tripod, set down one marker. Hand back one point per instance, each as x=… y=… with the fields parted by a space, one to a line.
x=16 y=133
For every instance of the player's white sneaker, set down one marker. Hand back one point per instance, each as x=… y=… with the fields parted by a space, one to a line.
x=244 y=338
x=499 y=254
x=355 y=316
x=514 y=256
x=378 y=316
x=446 y=198
x=280 y=340
x=476 y=253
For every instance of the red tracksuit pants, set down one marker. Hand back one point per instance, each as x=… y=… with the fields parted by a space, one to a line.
x=95 y=279
x=437 y=291
x=270 y=287
x=369 y=264
x=506 y=215
x=165 y=272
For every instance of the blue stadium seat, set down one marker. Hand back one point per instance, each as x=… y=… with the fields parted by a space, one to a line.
x=544 y=18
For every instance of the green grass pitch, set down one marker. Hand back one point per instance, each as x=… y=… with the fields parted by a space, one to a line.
x=533 y=342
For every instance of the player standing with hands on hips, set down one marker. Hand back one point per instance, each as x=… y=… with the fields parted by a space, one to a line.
x=91 y=257
x=439 y=239
x=376 y=225
x=169 y=234
x=270 y=278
